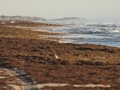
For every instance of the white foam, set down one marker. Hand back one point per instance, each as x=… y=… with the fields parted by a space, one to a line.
x=92 y=85
x=3 y=77
x=40 y=86
x=51 y=85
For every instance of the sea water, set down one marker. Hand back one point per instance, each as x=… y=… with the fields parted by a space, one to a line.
x=91 y=33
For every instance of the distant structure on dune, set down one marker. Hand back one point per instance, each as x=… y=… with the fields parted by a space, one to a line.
x=7 y=21
x=21 y=18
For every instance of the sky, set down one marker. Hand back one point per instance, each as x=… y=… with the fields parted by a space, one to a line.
x=92 y=10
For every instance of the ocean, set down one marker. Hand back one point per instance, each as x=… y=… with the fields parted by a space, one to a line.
x=89 y=32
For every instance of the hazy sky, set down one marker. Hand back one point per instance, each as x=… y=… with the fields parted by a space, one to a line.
x=93 y=10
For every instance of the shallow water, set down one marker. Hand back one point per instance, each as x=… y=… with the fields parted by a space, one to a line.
x=100 y=33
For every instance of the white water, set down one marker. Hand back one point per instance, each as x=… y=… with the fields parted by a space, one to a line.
x=89 y=32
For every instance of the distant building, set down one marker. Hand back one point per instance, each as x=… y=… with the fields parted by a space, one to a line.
x=7 y=21
x=2 y=22
x=11 y=21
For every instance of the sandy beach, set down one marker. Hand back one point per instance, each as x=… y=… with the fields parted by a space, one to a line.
x=46 y=61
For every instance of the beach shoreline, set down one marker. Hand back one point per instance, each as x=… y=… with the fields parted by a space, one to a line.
x=45 y=59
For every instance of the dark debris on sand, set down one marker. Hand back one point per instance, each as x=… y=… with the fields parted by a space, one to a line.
x=76 y=64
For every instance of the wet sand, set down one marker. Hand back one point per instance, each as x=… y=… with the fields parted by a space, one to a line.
x=48 y=61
